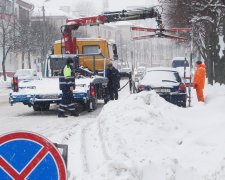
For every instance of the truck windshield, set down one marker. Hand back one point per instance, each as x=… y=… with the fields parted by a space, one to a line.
x=91 y=49
x=57 y=63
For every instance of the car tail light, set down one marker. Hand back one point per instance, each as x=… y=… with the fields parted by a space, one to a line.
x=92 y=90
x=141 y=87
x=15 y=84
x=182 y=87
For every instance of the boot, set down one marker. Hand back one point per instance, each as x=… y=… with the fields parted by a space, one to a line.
x=62 y=115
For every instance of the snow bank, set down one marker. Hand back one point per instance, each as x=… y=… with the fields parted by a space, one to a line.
x=143 y=137
x=6 y=83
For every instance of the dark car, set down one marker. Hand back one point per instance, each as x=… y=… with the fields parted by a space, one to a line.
x=167 y=83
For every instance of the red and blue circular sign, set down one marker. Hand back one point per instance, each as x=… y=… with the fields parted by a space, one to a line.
x=25 y=155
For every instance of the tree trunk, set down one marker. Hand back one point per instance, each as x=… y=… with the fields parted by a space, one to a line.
x=210 y=45
x=3 y=54
x=29 y=60
x=23 y=57
x=3 y=68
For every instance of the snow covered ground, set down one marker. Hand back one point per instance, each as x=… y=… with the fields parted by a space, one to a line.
x=3 y=83
x=139 y=137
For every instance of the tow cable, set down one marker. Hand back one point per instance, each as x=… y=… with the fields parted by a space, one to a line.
x=124 y=86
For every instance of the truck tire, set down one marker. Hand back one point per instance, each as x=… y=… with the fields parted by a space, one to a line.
x=41 y=107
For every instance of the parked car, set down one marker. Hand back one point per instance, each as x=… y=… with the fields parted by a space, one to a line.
x=167 y=83
x=124 y=72
x=141 y=70
x=26 y=74
x=124 y=69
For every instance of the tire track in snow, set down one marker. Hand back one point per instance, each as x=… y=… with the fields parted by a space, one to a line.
x=84 y=150
x=100 y=134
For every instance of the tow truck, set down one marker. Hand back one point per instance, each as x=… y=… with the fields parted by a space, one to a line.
x=90 y=86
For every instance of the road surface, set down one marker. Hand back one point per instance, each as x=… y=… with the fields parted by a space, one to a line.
x=71 y=131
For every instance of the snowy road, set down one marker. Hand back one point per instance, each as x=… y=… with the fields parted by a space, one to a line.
x=135 y=138
x=72 y=130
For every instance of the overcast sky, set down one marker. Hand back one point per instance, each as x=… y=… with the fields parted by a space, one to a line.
x=113 y=4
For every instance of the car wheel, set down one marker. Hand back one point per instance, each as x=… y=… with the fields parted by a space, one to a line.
x=183 y=104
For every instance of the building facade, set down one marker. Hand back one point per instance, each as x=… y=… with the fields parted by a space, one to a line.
x=13 y=11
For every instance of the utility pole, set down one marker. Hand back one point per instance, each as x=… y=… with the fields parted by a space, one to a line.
x=44 y=50
x=14 y=22
x=105 y=5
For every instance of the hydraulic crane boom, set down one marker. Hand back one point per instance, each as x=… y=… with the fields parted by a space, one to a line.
x=107 y=17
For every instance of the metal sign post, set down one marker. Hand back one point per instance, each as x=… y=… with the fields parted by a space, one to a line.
x=190 y=83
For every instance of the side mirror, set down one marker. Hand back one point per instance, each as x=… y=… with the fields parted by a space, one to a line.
x=115 y=54
x=99 y=51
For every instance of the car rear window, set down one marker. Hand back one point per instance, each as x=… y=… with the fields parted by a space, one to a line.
x=162 y=76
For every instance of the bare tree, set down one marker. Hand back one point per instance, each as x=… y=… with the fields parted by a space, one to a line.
x=7 y=32
x=205 y=18
x=36 y=44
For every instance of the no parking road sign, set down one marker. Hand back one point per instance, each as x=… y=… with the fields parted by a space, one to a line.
x=25 y=155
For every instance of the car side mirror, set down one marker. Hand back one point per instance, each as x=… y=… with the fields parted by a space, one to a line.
x=115 y=54
x=99 y=51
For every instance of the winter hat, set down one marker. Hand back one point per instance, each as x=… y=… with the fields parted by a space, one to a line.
x=69 y=60
x=110 y=65
x=198 y=62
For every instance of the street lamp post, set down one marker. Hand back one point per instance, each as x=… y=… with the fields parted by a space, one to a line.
x=44 y=50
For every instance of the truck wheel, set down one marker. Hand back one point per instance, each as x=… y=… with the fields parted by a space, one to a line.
x=41 y=107
x=36 y=107
x=46 y=107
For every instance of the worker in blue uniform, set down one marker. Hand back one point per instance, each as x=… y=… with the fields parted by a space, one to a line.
x=114 y=81
x=67 y=85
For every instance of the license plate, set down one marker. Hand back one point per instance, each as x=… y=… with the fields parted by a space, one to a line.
x=162 y=90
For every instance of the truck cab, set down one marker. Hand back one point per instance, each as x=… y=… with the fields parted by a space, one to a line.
x=90 y=46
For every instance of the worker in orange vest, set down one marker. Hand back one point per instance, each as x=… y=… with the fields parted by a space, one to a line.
x=199 y=80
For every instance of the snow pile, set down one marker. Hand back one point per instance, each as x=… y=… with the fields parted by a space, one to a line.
x=144 y=137
x=6 y=83
x=137 y=139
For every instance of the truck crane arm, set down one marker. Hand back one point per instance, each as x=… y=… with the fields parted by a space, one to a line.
x=106 y=17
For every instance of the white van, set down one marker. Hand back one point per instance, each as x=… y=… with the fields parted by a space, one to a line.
x=180 y=63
